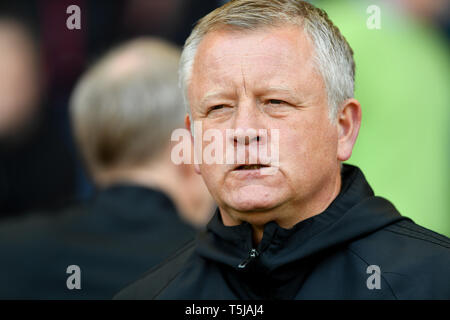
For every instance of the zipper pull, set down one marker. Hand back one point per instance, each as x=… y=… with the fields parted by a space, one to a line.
x=252 y=255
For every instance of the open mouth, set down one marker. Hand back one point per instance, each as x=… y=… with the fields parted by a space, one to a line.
x=251 y=166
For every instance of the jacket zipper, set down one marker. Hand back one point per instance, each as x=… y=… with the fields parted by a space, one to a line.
x=252 y=255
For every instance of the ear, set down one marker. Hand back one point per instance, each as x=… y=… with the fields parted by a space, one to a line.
x=187 y=124
x=348 y=123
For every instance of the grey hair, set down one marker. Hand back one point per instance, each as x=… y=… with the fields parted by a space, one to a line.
x=126 y=106
x=333 y=59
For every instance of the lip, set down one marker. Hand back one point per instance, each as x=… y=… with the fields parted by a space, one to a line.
x=263 y=171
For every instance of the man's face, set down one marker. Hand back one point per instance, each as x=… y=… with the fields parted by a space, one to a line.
x=265 y=79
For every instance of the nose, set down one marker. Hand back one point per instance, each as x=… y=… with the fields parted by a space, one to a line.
x=247 y=125
x=248 y=135
x=245 y=137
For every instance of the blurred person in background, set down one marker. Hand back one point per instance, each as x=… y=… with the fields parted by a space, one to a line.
x=123 y=111
x=407 y=60
x=36 y=167
x=123 y=114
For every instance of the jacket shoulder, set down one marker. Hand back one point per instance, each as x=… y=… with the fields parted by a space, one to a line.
x=413 y=260
x=407 y=238
x=157 y=278
x=407 y=228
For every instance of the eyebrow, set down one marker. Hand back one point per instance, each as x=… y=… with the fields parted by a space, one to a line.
x=211 y=95
x=278 y=89
x=281 y=89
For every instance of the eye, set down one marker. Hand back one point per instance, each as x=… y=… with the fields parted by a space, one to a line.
x=219 y=106
x=218 y=110
x=276 y=101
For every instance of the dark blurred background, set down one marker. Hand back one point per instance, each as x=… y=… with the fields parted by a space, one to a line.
x=402 y=82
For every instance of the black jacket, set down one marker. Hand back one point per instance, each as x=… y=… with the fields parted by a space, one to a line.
x=324 y=257
x=114 y=238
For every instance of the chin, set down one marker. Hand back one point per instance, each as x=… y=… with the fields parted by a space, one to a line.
x=254 y=198
x=250 y=206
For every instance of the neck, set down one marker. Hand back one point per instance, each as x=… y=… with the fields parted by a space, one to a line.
x=149 y=175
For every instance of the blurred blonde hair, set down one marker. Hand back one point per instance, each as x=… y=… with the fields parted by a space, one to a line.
x=126 y=106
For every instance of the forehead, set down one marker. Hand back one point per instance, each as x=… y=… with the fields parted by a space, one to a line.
x=267 y=55
x=279 y=39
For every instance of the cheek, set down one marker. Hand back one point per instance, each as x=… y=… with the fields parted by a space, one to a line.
x=308 y=143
